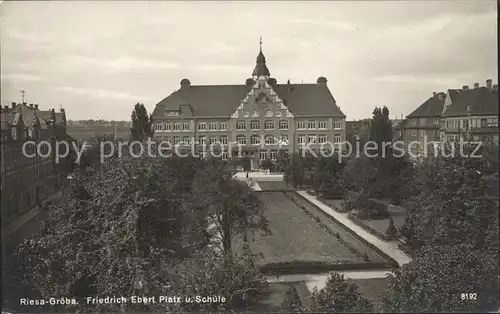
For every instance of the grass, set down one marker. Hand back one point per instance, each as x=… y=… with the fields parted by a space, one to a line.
x=344 y=234
x=372 y=289
x=272 y=185
x=295 y=236
x=275 y=294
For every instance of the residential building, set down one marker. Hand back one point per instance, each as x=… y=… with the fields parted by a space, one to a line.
x=262 y=116
x=30 y=177
x=471 y=114
x=422 y=125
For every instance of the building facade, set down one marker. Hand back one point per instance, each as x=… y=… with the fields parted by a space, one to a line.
x=422 y=125
x=29 y=177
x=256 y=119
x=470 y=114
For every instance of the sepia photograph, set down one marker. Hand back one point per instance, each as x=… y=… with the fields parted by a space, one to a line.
x=249 y=156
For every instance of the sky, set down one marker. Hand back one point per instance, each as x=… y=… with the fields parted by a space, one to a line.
x=98 y=58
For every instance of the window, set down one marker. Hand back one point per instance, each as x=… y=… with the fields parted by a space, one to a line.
x=311 y=125
x=284 y=139
x=202 y=126
x=269 y=125
x=186 y=140
x=203 y=155
x=322 y=139
x=263 y=155
x=337 y=139
x=322 y=124
x=269 y=113
x=224 y=156
x=269 y=140
x=484 y=123
x=413 y=121
x=301 y=139
x=255 y=125
x=241 y=125
x=167 y=139
x=311 y=139
x=223 y=126
x=212 y=126
x=168 y=127
x=177 y=140
x=283 y=125
x=223 y=139
x=241 y=139
x=186 y=126
x=421 y=121
x=158 y=127
x=301 y=125
x=274 y=155
x=202 y=140
x=177 y=126
x=212 y=140
x=435 y=121
x=255 y=140
x=337 y=125
x=255 y=113
x=169 y=113
x=422 y=134
x=246 y=114
x=278 y=114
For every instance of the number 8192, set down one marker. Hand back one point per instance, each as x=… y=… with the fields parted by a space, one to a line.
x=468 y=296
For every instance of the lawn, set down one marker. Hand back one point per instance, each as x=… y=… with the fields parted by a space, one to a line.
x=275 y=294
x=373 y=289
x=345 y=234
x=272 y=185
x=295 y=236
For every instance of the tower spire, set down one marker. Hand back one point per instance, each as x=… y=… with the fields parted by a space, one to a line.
x=260 y=68
x=260 y=43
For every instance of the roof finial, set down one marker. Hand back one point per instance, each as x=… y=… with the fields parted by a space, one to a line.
x=260 y=43
x=23 y=96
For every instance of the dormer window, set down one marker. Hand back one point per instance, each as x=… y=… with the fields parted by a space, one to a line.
x=170 y=113
x=13 y=132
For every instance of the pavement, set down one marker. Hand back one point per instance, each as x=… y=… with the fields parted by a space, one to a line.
x=388 y=247
x=273 y=176
x=319 y=280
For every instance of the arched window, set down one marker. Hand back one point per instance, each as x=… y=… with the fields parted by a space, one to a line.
x=269 y=140
x=269 y=125
x=255 y=139
x=241 y=125
x=283 y=125
x=254 y=125
x=241 y=139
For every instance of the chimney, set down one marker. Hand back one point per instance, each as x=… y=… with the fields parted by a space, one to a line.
x=488 y=84
x=36 y=106
x=31 y=105
x=13 y=105
x=249 y=82
x=465 y=88
x=495 y=88
x=433 y=93
x=288 y=82
x=476 y=85
x=185 y=83
x=321 y=81
x=6 y=107
x=272 y=82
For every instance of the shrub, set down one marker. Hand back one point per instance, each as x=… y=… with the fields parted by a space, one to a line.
x=391 y=230
x=365 y=257
x=337 y=234
x=317 y=219
x=356 y=200
x=377 y=209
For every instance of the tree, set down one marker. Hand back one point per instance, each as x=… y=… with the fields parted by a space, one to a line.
x=391 y=229
x=282 y=160
x=225 y=203
x=339 y=296
x=437 y=279
x=267 y=164
x=327 y=176
x=291 y=301
x=141 y=123
x=457 y=203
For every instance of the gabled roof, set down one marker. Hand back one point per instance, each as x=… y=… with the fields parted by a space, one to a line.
x=481 y=101
x=223 y=100
x=432 y=107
